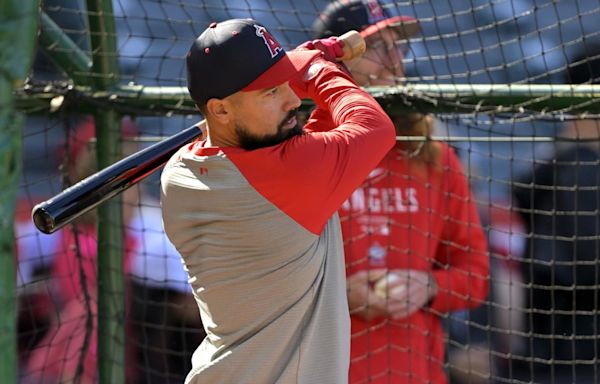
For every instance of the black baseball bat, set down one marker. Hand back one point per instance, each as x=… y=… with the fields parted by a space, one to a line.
x=53 y=214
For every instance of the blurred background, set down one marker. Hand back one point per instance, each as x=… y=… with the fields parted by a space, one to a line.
x=461 y=42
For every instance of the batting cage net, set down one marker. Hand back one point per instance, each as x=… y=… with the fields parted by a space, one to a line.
x=472 y=250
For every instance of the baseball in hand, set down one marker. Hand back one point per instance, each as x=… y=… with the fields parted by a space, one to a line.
x=381 y=286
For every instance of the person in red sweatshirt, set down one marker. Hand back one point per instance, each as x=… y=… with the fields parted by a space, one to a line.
x=414 y=246
x=68 y=351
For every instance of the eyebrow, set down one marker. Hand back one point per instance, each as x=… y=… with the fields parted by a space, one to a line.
x=266 y=90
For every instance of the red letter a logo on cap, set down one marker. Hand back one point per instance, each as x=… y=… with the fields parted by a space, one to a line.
x=270 y=42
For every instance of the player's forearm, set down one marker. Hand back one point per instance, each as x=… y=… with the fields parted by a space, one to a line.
x=349 y=107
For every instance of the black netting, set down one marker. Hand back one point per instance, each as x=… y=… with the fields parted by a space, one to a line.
x=484 y=71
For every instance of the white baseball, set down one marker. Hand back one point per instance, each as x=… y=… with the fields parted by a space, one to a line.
x=381 y=286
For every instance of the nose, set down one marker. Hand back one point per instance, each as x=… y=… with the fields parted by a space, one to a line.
x=292 y=100
x=393 y=60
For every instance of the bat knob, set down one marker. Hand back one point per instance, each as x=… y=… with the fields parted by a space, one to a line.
x=353 y=45
x=42 y=220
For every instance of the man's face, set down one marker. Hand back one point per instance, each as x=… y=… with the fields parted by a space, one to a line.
x=381 y=64
x=265 y=117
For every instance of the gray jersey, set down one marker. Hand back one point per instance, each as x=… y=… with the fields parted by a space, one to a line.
x=261 y=240
x=271 y=293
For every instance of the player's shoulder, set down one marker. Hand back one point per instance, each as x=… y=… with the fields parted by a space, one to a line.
x=176 y=157
x=448 y=155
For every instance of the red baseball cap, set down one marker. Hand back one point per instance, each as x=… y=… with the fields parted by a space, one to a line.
x=239 y=55
x=366 y=16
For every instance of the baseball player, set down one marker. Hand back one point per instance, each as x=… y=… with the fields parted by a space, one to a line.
x=252 y=208
x=415 y=249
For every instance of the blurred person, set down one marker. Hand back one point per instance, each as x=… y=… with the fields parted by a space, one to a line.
x=252 y=208
x=68 y=352
x=507 y=241
x=35 y=254
x=559 y=201
x=476 y=337
x=164 y=313
x=35 y=250
x=415 y=249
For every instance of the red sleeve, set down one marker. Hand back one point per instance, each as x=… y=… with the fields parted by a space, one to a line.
x=323 y=88
x=309 y=176
x=463 y=278
x=319 y=121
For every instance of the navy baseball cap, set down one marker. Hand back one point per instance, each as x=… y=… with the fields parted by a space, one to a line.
x=366 y=16
x=239 y=55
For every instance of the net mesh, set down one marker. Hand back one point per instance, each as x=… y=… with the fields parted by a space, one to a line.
x=531 y=166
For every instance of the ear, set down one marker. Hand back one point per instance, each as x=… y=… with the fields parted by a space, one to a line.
x=219 y=110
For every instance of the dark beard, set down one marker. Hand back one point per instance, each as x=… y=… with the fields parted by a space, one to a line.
x=250 y=142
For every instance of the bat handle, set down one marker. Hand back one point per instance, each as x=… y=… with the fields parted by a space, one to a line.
x=353 y=45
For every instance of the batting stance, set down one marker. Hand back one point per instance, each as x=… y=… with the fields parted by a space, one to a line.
x=252 y=208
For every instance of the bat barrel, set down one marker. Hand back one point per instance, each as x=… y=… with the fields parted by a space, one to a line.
x=56 y=212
